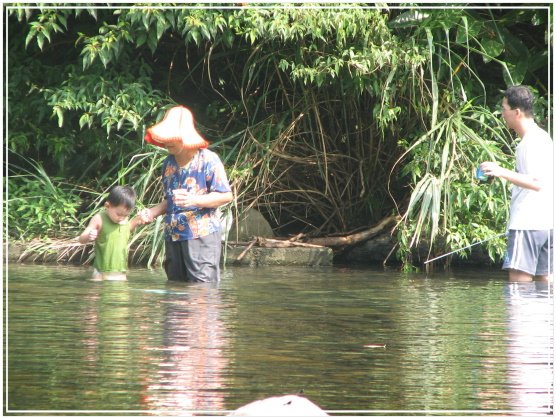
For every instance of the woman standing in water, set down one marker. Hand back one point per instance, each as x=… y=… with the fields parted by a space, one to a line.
x=195 y=185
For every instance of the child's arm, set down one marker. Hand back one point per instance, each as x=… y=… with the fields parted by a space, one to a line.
x=149 y=214
x=91 y=232
x=136 y=221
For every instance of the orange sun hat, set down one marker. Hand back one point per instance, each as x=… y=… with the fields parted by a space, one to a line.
x=176 y=125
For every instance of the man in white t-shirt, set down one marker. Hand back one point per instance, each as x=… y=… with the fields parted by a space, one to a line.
x=530 y=250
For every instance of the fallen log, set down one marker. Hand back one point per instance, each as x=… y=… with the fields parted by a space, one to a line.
x=334 y=242
x=352 y=239
x=264 y=242
x=242 y=255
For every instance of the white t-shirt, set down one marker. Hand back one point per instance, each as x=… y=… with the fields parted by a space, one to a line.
x=529 y=209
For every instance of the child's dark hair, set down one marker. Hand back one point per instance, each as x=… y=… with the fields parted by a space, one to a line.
x=122 y=195
x=520 y=97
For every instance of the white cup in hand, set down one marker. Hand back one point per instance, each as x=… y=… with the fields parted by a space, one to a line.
x=180 y=196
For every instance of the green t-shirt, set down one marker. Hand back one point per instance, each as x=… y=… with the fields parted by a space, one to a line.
x=111 y=246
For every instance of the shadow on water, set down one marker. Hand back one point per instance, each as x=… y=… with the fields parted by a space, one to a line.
x=354 y=341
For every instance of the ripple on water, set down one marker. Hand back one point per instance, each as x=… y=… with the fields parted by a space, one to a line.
x=351 y=339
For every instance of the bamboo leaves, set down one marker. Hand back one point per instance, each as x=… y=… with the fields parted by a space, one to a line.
x=434 y=85
x=311 y=107
x=445 y=186
x=425 y=201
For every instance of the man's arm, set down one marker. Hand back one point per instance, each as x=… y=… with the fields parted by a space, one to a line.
x=519 y=179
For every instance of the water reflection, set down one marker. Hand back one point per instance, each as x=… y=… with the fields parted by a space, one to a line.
x=530 y=346
x=172 y=351
x=453 y=336
x=468 y=342
x=106 y=324
x=189 y=362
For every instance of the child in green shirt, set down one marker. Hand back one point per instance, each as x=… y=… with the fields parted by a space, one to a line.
x=110 y=230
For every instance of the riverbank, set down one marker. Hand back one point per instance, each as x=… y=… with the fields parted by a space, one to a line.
x=232 y=254
x=262 y=252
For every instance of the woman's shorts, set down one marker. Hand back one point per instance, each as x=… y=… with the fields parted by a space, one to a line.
x=196 y=260
x=530 y=251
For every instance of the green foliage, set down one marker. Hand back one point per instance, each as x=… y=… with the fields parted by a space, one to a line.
x=447 y=202
x=328 y=118
x=40 y=205
x=47 y=22
x=82 y=120
x=113 y=101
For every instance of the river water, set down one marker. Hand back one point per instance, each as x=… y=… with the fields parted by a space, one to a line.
x=355 y=341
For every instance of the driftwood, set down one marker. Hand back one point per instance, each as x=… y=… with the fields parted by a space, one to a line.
x=242 y=255
x=272 y=243
x=352 y=239
x=263 y=242
x=266 y=242
x=334 y=242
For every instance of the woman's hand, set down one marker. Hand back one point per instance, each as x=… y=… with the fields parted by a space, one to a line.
x=184 y=199
x=146 y=216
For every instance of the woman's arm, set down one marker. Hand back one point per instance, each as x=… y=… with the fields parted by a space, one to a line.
x=210 y=200
x=149 y=214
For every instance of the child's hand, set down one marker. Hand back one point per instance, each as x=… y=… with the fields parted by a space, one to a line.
x=145 y=216
x=92 y=234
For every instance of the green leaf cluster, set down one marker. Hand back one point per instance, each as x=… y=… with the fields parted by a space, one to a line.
x=40 y=205
x=328 y=117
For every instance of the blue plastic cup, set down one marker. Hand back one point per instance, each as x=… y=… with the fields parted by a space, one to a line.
x=480 y=175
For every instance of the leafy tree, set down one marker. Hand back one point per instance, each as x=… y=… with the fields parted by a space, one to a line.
x=462 y=48
x=328 y=118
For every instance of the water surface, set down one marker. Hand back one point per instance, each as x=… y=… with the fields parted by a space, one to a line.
x=354 y=341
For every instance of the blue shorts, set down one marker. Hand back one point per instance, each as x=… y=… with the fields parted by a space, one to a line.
x=530 y=251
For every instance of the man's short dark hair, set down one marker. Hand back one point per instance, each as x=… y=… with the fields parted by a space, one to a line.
x=520 y=97
x=122 y=195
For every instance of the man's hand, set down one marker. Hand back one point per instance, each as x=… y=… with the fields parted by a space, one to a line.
x=491 y=168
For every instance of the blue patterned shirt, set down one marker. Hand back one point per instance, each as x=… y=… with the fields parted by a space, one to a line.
x=203 y=174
